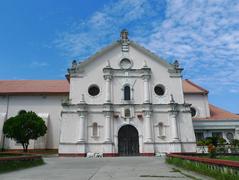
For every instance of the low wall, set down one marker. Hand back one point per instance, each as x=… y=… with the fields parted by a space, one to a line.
x=223 y=166
x=20 y=158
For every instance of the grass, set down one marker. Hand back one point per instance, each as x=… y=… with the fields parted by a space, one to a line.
x=9 y=166
x=231 y=158
x=9 y=155
x=224 y=157
x=201 y=168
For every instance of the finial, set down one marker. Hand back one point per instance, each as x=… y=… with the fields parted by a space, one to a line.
x=124 y=35
x=74 y=64
x=108 y=64
x=82 y=100
x=172 y=99
x=145 y=64
x=176 y=64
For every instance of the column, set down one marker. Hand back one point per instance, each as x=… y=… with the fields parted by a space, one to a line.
x=82 y=128
x=107 y=88
x=107 y=127
x=174 y=126
x=146 y=89
x=147 y=131
x=236 y=133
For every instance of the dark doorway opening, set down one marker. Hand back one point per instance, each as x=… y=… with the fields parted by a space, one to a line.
x=128 y=141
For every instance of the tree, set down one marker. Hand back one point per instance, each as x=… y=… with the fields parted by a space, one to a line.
x=23 y=127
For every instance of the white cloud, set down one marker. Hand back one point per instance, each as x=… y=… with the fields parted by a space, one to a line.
x=203 y=35
x=38 y=64
x=103 y=27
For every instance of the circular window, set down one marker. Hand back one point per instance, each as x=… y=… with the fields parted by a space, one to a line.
x=125 y=63
x=229 y=136
x=93 y=90
x=159 y=90
x=193 y=111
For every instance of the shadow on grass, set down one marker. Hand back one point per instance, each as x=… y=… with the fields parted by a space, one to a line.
x=9 y=166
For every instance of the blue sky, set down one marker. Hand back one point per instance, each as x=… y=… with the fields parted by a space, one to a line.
x=39 y=39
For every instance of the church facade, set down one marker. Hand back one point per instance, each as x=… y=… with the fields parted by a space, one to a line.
x=124 y=100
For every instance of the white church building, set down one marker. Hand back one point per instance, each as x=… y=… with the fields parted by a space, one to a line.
x=123 y=100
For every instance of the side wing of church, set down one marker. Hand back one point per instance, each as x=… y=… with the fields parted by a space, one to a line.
x=125 y=100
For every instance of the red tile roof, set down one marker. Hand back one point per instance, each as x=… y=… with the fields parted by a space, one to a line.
x=217 y=113
x=34 y=87
x=190 y=87
x=62 y=86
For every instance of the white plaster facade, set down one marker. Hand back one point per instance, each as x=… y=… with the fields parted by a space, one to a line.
x=46 y=106
x=124 y=63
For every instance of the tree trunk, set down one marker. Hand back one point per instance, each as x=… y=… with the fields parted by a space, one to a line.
x=25 y=146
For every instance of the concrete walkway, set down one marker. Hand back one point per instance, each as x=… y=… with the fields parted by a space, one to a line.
x=119 y=168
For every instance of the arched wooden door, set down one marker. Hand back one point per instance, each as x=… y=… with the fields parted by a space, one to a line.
x=128 y=141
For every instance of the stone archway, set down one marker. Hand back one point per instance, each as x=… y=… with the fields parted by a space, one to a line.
x=128 y=141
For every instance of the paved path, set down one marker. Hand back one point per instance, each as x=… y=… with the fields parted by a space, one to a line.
x=118 y=168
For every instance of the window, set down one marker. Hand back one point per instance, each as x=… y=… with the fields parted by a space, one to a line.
x=159 y=90
x=127 y=93
x=95 y=129
x=230 y=136
x=125 y=63
x=127 y=113
x=217 y=134
x=94 y=90
x=161 y=129
x=193 y=111
x=199 y=136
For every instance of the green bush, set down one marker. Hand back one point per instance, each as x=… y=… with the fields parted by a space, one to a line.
x=201 y=168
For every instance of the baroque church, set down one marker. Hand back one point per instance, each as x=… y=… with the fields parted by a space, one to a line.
x=123 y=100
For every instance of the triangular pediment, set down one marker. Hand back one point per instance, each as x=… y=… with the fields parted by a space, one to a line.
x=119 y=50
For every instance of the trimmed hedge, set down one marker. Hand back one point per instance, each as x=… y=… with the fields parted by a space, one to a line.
x=203 y=168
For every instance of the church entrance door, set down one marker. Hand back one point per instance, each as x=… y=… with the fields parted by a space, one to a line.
x=128 y=141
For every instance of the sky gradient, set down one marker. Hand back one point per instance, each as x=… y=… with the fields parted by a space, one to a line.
x=39 y=39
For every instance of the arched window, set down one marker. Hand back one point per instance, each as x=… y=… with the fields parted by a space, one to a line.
x=95 y=129
x=127 y=113
x=126 y=93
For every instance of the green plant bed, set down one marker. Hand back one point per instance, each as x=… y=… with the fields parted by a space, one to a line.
x=224 y=157
x=231 y=158
x=17 y=165
x=201 y=168
x=11 y=155
x=44 y=151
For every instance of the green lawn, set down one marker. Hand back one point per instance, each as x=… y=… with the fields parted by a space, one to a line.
x=231 y=158
x=17 y=165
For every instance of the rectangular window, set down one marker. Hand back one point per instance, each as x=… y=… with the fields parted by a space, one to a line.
x=95 y=130
x=161 y=129
x=199 y=136
x=217 y=134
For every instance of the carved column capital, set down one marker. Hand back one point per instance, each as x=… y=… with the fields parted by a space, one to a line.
x=108 y=77
x=146 y=77
x=147 y=113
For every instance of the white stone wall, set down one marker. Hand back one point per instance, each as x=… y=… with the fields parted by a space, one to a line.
x=200 y=103
x=93 y=74
x=43 y=104
x=96 y=110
